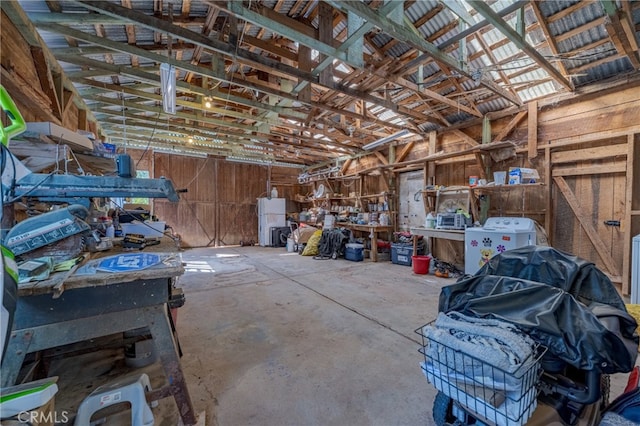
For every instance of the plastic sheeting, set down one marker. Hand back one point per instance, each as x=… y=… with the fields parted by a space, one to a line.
x=561 y=301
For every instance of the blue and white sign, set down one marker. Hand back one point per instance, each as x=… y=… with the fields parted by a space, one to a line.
x=128 y=262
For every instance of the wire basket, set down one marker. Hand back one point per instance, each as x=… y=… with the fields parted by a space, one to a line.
x=489 y=393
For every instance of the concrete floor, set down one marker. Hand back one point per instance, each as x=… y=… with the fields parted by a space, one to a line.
x=274 y=338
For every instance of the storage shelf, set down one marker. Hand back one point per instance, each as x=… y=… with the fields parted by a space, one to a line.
x=506 y=187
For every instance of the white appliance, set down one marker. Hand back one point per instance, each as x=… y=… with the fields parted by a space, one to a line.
x=271 y=214
x=635 y=270
x=498 y=234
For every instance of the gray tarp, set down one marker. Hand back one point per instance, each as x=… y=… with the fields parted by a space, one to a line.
x=561 y=301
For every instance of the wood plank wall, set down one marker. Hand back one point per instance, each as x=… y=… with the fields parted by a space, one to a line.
x=219 y=207
x=581 y=155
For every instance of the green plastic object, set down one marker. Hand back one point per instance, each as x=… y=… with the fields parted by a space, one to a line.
x=17 y=125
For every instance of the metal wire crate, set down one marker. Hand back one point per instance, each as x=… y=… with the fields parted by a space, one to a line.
x=489 y=393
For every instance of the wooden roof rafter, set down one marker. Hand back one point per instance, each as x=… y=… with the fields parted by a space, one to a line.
x=621 y=31
x=519 y=41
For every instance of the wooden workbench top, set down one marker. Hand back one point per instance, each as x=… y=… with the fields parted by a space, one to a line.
x=170 y=266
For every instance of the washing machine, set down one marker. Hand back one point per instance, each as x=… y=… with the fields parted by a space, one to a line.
x=498 y=234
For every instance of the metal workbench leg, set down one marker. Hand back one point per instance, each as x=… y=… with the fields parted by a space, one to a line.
x=158 y=321
x=12 y=360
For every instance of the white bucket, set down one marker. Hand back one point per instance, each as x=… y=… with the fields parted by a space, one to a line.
x=291 y=246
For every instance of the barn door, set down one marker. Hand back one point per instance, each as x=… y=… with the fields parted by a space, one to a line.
x=589 y=194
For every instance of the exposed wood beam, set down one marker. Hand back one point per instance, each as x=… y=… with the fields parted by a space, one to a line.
x=410 y=37
x=631 y=190
x=215 y=45
x=23 y=92
x=198 y=122
x=45 y=79
x=131 y=33
x=55 y=6
x=532 y=129
x=621 y=33
x=355 y=36
x=125 y=48
x=101 y=50
x=285 y=26
x=198 y=117
x=190 y=139
x=96 y=18
x=406 y=149
x=513 y=35
x=544 y=26
x=192 y=36
x=509 y=127
x=581 y=29
x=212 y=15
x=567 y=11
x=381 y=158
x=98 y=95
x=487 y=50
x=138 y=73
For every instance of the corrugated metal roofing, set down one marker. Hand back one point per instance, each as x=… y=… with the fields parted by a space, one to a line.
x=534 y=83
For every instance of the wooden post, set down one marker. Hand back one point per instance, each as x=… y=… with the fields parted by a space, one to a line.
x=532 y=129
x=627 y=222
x=548 y=193
x=431 y=165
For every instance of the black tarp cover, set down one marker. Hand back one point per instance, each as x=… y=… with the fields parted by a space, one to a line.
x=560 y=300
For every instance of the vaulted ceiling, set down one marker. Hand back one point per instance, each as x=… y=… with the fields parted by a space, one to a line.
x=304 y=82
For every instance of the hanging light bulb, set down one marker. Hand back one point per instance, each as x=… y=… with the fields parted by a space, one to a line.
x=207 y=102
x=190 y=140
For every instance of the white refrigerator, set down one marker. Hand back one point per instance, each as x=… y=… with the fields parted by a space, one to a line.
x=271 y=213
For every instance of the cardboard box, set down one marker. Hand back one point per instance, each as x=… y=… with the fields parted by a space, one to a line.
x=518 y=175
x=302 y=235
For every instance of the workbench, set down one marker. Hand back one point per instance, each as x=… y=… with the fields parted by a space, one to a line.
x=373 y=231
x=69 y=308
x=443 y=234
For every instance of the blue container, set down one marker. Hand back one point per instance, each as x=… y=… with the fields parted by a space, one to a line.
x=401 y=253
x=354 y=252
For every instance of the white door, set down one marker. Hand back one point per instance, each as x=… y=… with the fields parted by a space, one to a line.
x=410 y=206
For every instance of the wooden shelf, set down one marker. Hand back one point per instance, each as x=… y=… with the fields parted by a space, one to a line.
x=382 y=194
x=506 y=187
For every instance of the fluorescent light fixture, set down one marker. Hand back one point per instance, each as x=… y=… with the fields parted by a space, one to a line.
x=168 y=88
x=262 y=162
x=386 y=139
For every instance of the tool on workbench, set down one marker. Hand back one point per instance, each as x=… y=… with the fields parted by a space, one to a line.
x=60 y=234
x=137 y=241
